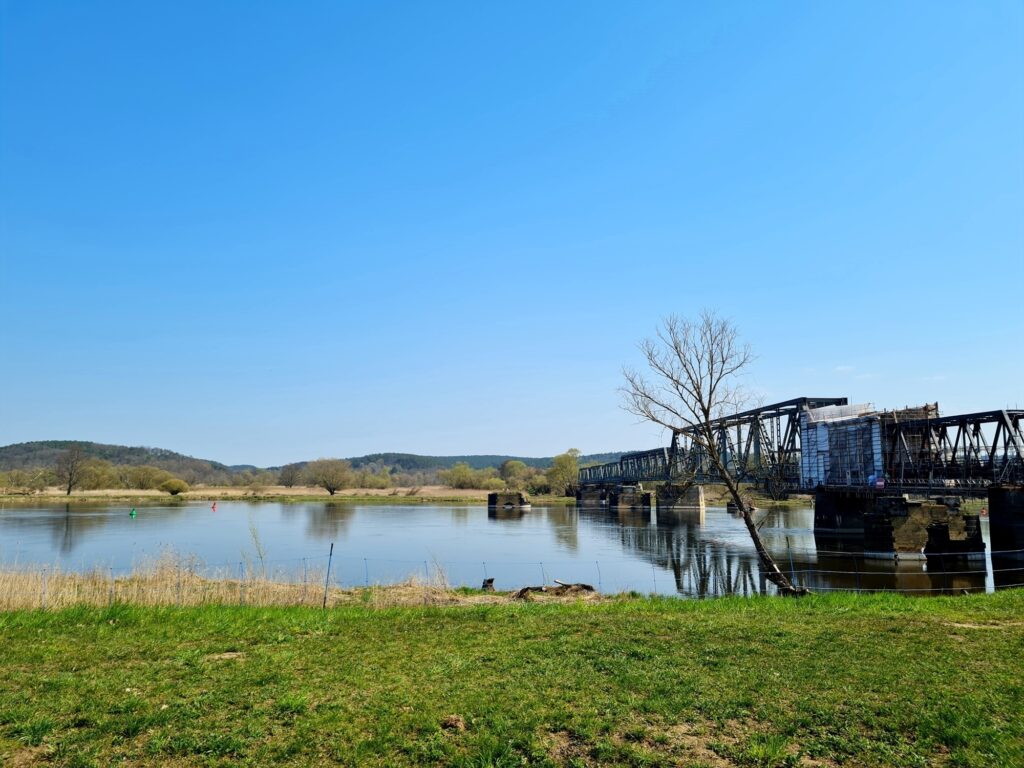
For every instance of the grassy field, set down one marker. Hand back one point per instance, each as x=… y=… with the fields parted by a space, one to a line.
x=836 y=680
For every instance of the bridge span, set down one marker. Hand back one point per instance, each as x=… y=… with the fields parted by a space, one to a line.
x=810 y=442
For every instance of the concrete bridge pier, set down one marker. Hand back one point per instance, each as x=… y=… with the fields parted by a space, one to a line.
x=1006 y=527
x=507 y=500
x=887 y=523
x=592 y=496
x=675 y=498
x=625 y=497
x=630 y=497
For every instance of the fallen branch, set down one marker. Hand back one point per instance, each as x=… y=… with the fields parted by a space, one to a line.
x=562 y=588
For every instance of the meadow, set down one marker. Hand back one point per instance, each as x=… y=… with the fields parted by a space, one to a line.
x=868 y=680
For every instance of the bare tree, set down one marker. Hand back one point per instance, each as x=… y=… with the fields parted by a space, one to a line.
x=69 y=467
x=694 y=376
x=290 y=475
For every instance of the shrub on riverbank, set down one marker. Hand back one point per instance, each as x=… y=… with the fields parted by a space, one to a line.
x=174 y=486
x=857 y=680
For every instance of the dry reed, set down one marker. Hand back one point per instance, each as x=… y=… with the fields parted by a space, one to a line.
x=174 y=581
x=170 y=581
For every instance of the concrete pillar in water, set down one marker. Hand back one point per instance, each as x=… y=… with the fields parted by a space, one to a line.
x=592 y=496
x=507 y=504
x=676 y=500
x=630 y=497
x=1006 y=527
x=885 y=523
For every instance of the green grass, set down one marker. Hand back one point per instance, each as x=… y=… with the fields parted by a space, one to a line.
x=827 y=680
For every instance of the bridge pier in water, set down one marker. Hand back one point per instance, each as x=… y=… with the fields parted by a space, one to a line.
x=1006 y=528
x=888 y=524
x=685 y=501
x=625 y=497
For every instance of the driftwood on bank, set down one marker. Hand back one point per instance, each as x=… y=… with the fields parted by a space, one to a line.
x=560 y=588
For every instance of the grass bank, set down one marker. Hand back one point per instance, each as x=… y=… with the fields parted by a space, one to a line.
x=829 y=680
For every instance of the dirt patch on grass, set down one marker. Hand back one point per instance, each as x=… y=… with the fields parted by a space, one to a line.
x=226 y=656
x=454 y=723
x=989 y=625
x=27 y=756
x=688 y=741
x=685 y=743
x=565 y=748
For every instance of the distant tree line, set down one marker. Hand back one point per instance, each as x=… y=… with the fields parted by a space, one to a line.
x=514 y=475
x=75 y=469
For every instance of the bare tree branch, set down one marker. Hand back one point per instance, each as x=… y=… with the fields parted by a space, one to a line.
x=695 y=371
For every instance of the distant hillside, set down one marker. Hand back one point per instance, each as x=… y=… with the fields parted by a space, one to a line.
x=44 y=453
x=411 y=462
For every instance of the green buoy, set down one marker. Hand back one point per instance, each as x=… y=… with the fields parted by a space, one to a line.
x=133 y=513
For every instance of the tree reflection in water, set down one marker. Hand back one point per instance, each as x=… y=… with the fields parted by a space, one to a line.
x=565 y=523
x=77 y=522
x=706 y=560
x=329 y=520
x=700 y=566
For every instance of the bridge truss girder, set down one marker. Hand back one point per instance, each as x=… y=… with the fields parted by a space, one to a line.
x=760 y=445
x=967 y=450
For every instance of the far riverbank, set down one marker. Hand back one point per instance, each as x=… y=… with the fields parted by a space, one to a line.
x=430 y=494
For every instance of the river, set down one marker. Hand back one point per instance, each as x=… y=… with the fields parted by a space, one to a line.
x=650 y=552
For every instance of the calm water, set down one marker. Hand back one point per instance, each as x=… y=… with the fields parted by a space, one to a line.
x=668 y=553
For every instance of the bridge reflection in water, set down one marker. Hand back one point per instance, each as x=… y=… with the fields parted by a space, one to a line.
x=709 y=554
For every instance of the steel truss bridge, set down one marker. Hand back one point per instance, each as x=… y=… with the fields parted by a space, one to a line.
x=972 y=450
x=949 y=454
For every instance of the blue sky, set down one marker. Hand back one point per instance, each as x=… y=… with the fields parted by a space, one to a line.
x=266 y=232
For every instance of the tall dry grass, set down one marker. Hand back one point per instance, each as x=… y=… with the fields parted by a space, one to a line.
x=170 y=581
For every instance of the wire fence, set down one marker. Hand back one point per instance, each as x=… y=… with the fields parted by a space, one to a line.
x=333 y=578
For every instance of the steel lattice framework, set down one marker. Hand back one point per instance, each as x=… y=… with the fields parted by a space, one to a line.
x=970 y=450
x=762 y=446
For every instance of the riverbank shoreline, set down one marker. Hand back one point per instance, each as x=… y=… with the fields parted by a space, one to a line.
x=435 y=494
x=279 y=494
x=623 y=681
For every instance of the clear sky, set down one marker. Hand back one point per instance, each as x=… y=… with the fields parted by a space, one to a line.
x=266 y=232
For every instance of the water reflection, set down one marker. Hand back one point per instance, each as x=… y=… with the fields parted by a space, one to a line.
x=503 y=513
x=69 y=525
x=565 y=523
x=328 y=521
x=709 y=553
x=678 y=551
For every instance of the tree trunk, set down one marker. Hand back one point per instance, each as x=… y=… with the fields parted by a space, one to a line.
x=772 y=571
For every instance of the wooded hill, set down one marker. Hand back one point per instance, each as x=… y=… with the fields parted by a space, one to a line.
x=44 y=453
